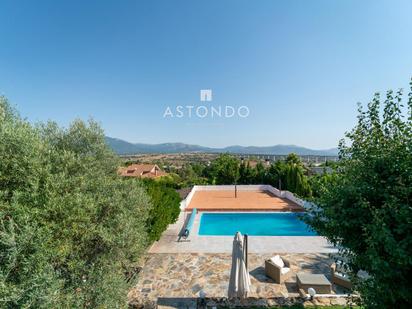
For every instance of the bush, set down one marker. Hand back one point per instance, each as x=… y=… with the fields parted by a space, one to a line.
x=166 y=208
x=70 y=228
x=366 y=210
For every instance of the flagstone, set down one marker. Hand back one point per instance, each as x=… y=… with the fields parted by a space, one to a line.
x=178 y=276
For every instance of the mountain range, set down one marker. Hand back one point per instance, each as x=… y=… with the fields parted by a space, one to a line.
x=122 y=147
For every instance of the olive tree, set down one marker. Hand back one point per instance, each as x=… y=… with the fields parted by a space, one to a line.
x=71 y=230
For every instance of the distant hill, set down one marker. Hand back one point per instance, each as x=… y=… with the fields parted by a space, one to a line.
x=280 y=150
x=122 y=147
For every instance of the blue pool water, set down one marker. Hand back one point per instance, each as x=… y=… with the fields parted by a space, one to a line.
x=257 y=224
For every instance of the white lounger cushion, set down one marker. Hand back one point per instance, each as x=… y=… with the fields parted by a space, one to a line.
x=340 y=274
x=277 y=260
x=284 y=270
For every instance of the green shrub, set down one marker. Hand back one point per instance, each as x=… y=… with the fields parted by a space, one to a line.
x=165 y=210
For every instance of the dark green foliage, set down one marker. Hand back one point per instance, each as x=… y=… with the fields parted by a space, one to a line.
x=296 y=181
x=289 y=175
x=171 y=180
x=367 y=207
x=225 y=170
x=260 y=177
x=166 y=208
x=286 y=175
x=320 y=183
x=247 y=174
x=276 y=175
x=192 y=174
x=292 y=158
x=69 y=227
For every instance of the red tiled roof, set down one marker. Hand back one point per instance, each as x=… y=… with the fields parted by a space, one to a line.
x=142 y=171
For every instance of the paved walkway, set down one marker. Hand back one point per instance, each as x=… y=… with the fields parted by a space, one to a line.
x=223 y=244
x=175 y=272
x=170 y=279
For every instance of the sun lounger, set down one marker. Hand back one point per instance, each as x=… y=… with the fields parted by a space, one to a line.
x=339 y=277
x=189 y=225
x=278 y=272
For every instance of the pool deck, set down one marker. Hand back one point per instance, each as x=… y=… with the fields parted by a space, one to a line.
x=225 y=200
x=168 y=243
x=175 y=280
x=174 y=271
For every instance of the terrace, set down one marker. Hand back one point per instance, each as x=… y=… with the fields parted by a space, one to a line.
x=224 y=200
x=177 y=271
x=175 y=280
x=241 y=198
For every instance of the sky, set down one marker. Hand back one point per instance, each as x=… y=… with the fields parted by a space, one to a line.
x=297 y=67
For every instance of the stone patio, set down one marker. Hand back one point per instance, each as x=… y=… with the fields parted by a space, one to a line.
x=173 y=279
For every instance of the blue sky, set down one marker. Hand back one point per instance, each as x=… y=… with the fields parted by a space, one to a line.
x=299 y=66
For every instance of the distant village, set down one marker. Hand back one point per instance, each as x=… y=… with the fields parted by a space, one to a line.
x=157 y=165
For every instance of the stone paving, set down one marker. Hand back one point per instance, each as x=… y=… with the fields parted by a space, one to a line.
x=178 y=277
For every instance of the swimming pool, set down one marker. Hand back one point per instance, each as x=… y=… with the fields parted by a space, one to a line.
x=255 y=224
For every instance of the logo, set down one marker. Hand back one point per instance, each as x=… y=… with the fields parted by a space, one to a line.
x=206 y=95
x=206 y=111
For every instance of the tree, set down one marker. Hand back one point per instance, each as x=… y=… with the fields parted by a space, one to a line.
x=247 y=174
x=292 y=158
x=70 y=228
x=276 y=174
x=296 y=181
x=320 y=183
x=242 y=173
x=26 y=278
x=192 y=174
x=225 y=170
x=260 y=175
x=367 y=209
x=290 y=175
